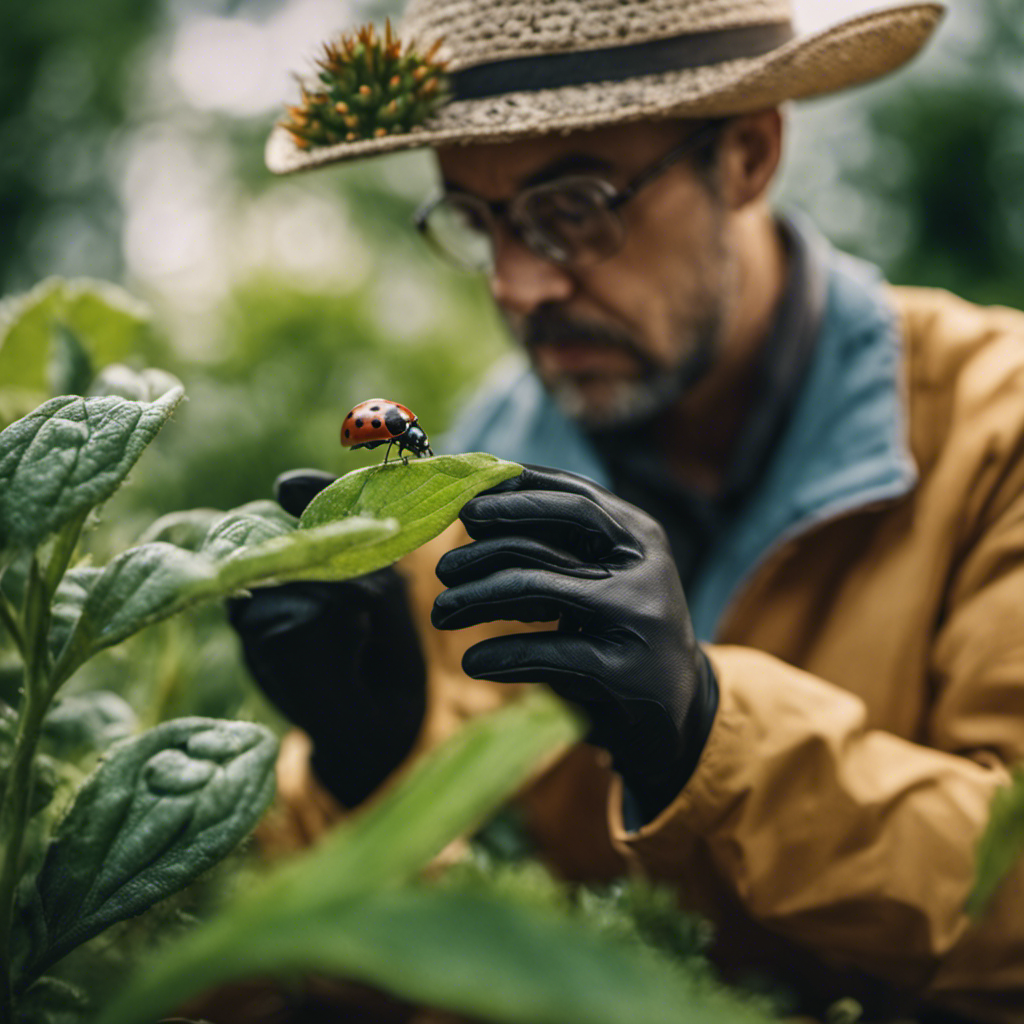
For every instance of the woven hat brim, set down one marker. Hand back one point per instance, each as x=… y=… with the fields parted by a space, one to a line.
x=849 y=53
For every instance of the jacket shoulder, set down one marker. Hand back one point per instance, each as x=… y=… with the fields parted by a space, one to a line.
x=965 y=372
x=946 y=336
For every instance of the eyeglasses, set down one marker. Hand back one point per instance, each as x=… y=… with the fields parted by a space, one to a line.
x=574 y=221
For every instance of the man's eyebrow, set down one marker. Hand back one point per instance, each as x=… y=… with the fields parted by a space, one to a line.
x=573 y=163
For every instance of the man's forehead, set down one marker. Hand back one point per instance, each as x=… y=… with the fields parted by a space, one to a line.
x=503 y=168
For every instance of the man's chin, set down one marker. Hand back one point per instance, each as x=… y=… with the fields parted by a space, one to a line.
x=610 y=404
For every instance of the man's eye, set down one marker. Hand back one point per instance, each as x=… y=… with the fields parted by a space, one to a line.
x=470 y=217
x=565 y=207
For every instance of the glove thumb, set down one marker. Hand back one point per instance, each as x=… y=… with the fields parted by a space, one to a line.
x=295 y=489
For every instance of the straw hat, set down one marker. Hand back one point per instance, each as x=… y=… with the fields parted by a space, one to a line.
x=522 y=68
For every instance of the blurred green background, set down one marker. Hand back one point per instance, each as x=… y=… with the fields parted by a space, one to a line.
x=131 y=135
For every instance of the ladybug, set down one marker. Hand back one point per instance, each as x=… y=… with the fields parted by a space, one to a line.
x=378 y=421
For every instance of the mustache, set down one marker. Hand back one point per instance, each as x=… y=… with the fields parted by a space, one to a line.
x=551 y=328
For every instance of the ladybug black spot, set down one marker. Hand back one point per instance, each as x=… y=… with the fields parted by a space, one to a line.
x=359 y=423
x=349 y=416
x=376 y=423
x=348 y=432
x=396 y=422
x=374 y=408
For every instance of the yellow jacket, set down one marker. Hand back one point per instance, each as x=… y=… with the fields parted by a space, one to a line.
x=871 y=672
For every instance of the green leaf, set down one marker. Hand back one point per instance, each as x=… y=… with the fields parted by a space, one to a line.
x=68 y=456
x=89 y=721
x=189 y=529
x=104 y=322
x=53 y=1001
x=425 y=496
x=70 y=366
x=153 y=581
x=158 y=811
x=488 y=958
x=445 y=795
x=136 y=385
x=1001 y=844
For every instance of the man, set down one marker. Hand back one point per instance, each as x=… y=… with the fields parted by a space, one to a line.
x=774 y=508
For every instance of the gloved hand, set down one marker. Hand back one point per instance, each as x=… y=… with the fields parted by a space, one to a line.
x=340 y=660
x=550 y=545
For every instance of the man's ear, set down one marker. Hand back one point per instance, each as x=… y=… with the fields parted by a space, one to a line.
x=748 y=157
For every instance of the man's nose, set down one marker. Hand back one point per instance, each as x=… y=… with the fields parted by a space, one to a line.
x=521 y=280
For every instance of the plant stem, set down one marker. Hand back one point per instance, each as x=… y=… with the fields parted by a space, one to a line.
x=15 y=799
x=9 y=620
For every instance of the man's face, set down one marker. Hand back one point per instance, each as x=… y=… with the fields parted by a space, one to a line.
x=617 y=341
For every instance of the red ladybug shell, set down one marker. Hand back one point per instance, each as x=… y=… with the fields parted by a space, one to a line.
x=376 y=419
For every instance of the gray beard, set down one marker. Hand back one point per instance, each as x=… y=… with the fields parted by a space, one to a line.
x=632 y=401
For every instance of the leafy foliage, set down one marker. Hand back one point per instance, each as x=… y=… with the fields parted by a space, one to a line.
x=424 y=496
x=1001 y=845
x=165 y=805
x=159 y=810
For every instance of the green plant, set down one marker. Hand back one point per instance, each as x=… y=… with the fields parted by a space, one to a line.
x=165 y=805
x=79 y=855
x=1000 y=846
x=355 y=906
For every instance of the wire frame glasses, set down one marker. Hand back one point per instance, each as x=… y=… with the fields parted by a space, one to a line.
x=574 y=221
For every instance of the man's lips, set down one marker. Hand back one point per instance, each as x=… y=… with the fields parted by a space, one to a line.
x=584 y=359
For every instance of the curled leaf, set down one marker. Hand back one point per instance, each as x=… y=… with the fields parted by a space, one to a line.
x=424 y=496
x=157 y=812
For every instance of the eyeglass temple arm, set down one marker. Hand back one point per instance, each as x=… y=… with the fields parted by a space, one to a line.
x=686 y=147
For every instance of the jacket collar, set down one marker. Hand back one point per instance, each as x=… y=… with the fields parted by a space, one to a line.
x=843 y=448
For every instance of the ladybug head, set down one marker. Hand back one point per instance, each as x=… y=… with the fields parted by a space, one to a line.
x=416 y=439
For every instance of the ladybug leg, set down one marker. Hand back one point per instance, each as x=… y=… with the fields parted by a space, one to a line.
x=388 y=452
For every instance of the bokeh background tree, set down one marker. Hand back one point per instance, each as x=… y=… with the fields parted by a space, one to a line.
x=131 y=136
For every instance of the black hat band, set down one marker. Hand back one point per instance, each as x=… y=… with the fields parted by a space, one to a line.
x=618 y=63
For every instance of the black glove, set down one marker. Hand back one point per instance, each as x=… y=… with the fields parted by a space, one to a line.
x=549 y=545
x=340 y=660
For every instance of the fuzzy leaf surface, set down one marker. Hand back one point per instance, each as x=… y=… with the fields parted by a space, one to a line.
x=425 y=497
x=69 y=456
x=158 y=811
x=153 y=581
x=485 y=957
x=447 y=793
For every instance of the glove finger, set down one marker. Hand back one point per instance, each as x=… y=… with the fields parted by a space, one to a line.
x=520 y=595
x=295 y=489
x=571 y=665
x=569 y=521
x=483 y=557
x=545 y=478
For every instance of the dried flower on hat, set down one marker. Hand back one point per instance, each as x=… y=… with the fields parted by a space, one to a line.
x=370 y=87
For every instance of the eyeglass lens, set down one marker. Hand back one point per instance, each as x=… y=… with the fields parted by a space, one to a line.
x=568 y=222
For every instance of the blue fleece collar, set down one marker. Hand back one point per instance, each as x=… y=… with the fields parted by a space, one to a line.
x=844 y=447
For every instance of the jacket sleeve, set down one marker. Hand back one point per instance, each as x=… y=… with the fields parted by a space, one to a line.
x=853 y=841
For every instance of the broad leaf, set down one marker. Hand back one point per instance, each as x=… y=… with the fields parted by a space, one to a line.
x=67 y=457
x=1001 y=845
x=122 y=381
x=152 y=581
x=89 y=721
x=445 y=795
x=475 y=954
x=190 y=529
x=425 y=496
x=158 y=811
x=66 y=609
x=92 y=320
